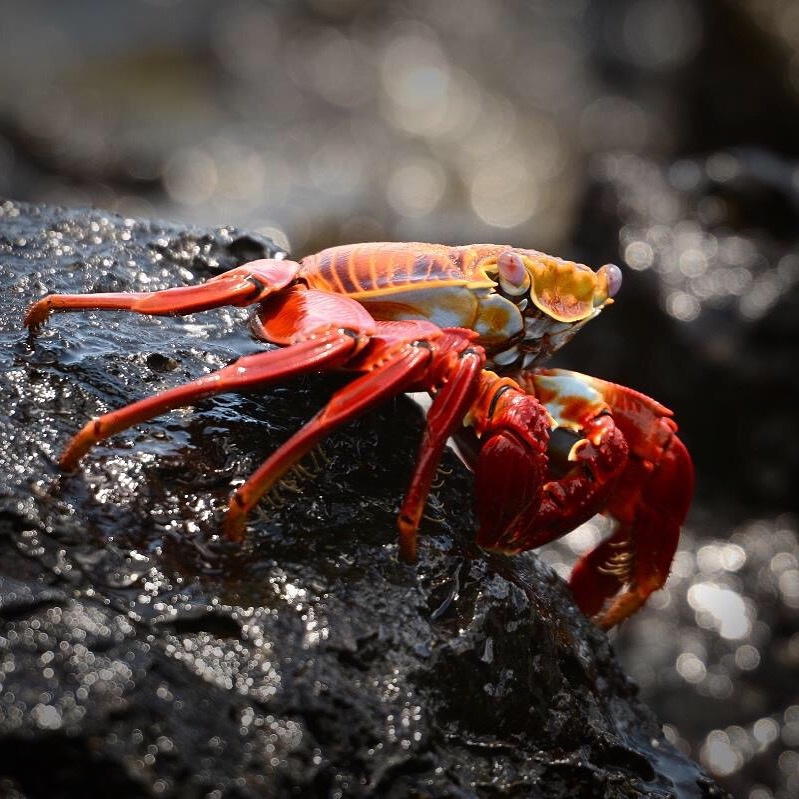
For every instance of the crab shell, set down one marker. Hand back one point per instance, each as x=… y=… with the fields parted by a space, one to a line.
x=523 y=304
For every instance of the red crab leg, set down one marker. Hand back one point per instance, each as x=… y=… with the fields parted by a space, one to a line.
x=316 y=343
x=521 y=505
x=399 y=368
x=243 y=285
x=445 y=415
x=649 y=500
x=326 y=351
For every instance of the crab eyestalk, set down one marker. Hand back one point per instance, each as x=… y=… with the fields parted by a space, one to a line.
x=513 y=277
x=610 y=275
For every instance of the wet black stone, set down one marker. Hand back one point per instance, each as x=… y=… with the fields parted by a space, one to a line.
x=140 y=655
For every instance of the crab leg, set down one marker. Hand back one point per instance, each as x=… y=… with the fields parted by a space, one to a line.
x=314 y=342
x=326 y=351
x=510 y=463
x=243 y=285
x=396 y=372
x=401 y=356
x=647 y=493
x=445 y=415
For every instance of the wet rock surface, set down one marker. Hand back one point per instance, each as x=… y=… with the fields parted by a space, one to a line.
x=140 y=655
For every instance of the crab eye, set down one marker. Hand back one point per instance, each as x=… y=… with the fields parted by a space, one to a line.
x=612 y=275
x=513 y=277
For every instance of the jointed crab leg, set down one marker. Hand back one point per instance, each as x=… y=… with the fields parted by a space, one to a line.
x=241 y=286
x=525 y=498
x=327 y=350
x=444 y=416
x=510 y=464
x=396 y=372
x=318 y=331
x=649 y=505
x=314 y=345
x=400 y=356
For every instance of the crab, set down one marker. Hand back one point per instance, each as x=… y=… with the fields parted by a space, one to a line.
x=469 y=325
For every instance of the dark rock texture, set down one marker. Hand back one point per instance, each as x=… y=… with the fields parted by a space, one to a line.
x=140 y=655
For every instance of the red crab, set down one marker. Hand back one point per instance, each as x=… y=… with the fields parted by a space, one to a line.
x=550 y=448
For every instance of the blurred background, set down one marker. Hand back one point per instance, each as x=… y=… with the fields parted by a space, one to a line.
x=659 y=134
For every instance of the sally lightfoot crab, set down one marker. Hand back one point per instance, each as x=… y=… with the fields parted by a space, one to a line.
x=469 y=325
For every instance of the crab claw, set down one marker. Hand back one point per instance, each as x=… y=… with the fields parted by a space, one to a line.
x=589 y=473
x=650 y=506
x=531 y=487
x=649 y=503
x=511 y=465
x=559 y=447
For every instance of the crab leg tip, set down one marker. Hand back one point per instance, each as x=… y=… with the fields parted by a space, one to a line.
x=233 y=526
x=407 y=539
x=37 y=314
x=80 y=444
